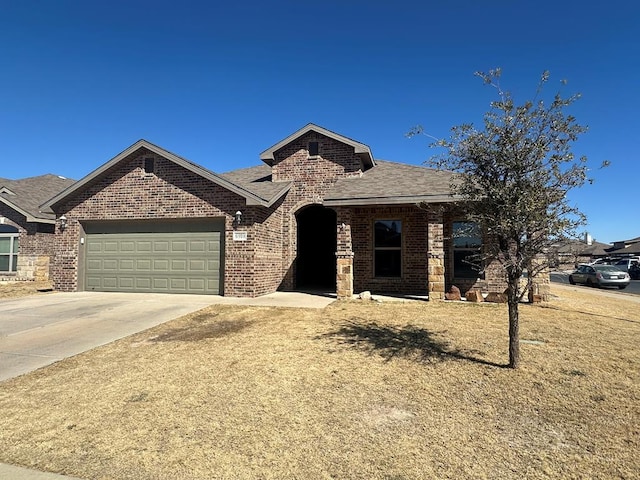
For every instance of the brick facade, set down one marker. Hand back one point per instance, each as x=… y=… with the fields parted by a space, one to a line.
x=36 y=245
x=312 y=177
x=266 y=261
x=413 y=279
x=171 y=192
x=262 y=264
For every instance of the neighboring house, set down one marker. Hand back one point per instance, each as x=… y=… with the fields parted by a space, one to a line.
x=623 y=248
x=320 y=212
x=568 y=253
x=26 y=233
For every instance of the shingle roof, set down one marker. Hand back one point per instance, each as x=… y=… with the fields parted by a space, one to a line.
x=383 y=183
x=27 y=194
x=631 y=240
x=579 y=247
x=391 y=182
x=258 y=181
x=143 y=145
x=633 y=249
x=360 y=149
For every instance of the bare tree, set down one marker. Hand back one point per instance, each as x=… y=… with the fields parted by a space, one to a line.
x=515 y=173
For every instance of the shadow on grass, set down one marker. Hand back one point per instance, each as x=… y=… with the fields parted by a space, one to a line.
x=198 y=330
x=408 y=341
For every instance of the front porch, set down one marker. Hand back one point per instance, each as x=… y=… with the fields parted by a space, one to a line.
x=394 y=249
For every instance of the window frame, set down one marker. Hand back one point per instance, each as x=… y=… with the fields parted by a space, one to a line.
x=14 y=248
x=399 y=248
x=469 y=272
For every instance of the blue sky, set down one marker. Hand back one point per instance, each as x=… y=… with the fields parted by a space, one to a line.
x=219 y=82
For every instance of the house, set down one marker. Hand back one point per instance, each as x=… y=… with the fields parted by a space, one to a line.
x=26 y=232
x=570 y=252
x=622 y=248
x=319 y=212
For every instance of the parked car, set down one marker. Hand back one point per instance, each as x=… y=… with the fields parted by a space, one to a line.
x=634 y=271
x=601 y=261
x=600 y=276
x=625 y=264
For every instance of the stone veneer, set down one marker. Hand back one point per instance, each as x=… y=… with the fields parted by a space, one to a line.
x=36 y=246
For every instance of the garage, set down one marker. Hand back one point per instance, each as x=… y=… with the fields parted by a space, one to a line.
x=156 y=257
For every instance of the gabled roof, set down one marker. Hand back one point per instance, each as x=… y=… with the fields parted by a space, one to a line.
x=580 y=247
x=252 y=197
x=360 y=149
x=26 y=194
x=393 y=183
x=631 y=240
x=631 y=249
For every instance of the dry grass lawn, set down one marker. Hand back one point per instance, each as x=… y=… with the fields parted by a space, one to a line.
x=22 y=289
x=354 y=391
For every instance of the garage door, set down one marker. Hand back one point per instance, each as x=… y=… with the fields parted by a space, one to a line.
x=163 y=260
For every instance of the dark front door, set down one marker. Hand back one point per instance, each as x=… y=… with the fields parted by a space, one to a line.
x=316 y=259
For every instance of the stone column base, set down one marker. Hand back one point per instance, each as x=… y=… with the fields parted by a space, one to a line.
x=33 y=267
x=344 y=277
x=435 y=271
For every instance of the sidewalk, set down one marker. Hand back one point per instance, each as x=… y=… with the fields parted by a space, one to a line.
x=11 y=472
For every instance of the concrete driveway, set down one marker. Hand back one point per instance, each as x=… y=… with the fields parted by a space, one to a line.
x=38 y=330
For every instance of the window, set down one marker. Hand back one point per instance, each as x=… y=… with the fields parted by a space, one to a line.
x=388 y=248
x=149 y=166
x=8 y=249
x=314 y=149
x=467 y=242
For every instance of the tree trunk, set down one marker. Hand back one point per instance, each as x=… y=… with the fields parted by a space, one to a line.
x=514 y=332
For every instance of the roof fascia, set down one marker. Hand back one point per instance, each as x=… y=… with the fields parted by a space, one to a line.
x=390 y=200
x=28 y=217
x=359 y=148
x=163 y=153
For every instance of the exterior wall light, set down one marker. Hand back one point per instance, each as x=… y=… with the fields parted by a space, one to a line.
x=238 y=217
x=63 y=223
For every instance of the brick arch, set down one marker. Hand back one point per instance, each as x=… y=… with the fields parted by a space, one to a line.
x=293 y=222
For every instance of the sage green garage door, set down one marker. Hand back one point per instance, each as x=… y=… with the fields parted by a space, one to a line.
x=157 y=261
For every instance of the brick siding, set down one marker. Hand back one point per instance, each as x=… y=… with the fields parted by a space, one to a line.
x=266 y=261
x=414 y=249
x=36 y=245
x=312 y=177
x=171 y=192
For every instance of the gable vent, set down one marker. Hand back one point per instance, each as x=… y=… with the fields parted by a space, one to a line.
x=149 y=165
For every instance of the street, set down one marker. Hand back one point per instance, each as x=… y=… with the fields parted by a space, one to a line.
x=562 y=277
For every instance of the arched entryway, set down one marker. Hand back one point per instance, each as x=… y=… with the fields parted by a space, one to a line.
x=316 y=255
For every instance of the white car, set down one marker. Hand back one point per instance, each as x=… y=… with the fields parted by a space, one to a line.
x=625 y=264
